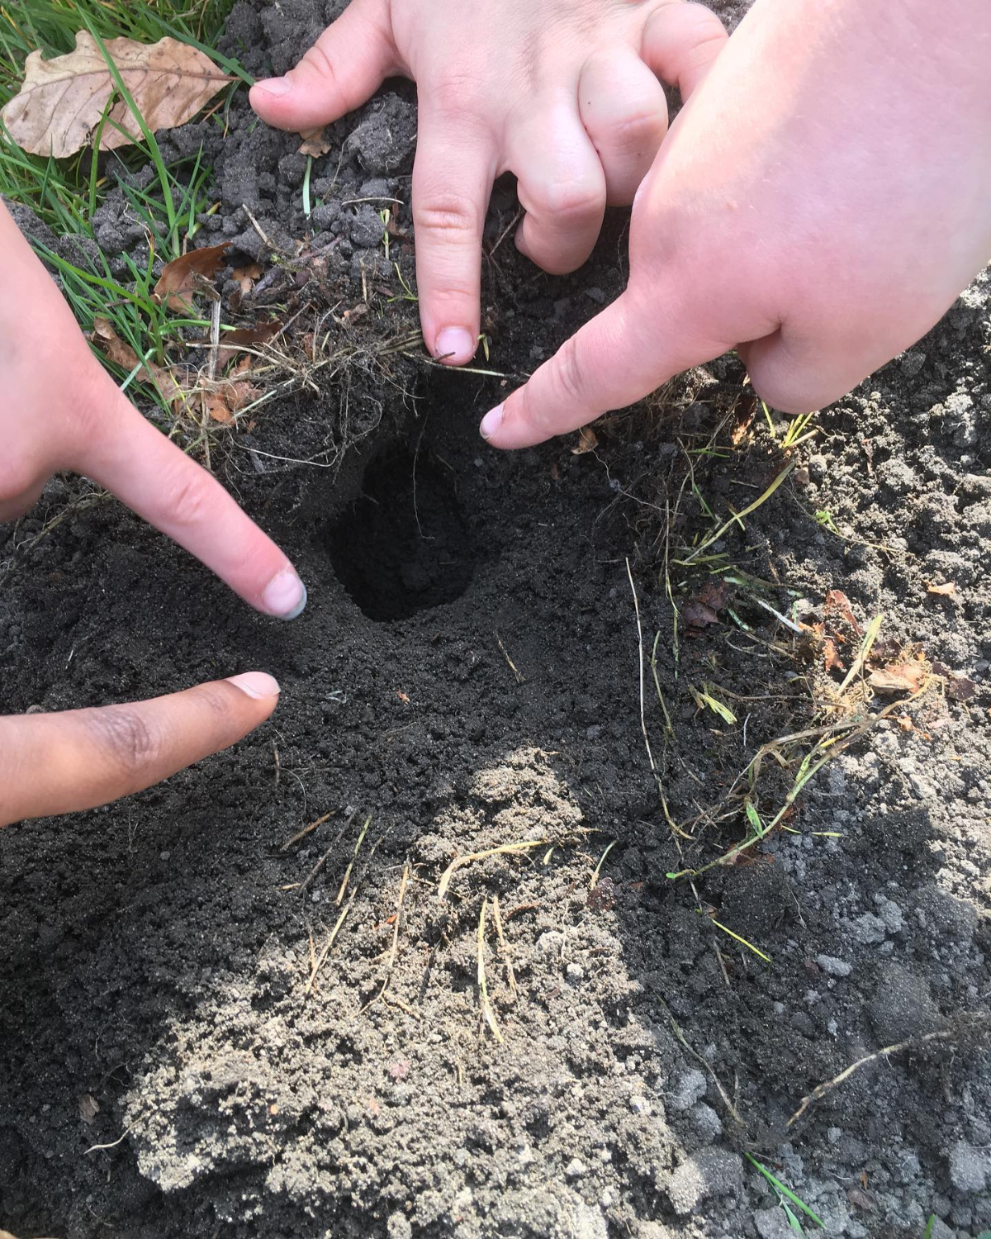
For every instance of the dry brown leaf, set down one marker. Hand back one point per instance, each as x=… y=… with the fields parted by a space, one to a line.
x=62 y=100
x=697 y=615
x=315 y=142
x=836 y=600
x=245 y=337
x=947 y=590
x=109 y=343
x=225 y=401
x=216 y=407
x=588 y=441
x=899 y=678
x=831 y=658
x=246 y=276
x=958 y=687
x=184 y=276
x=713 y=594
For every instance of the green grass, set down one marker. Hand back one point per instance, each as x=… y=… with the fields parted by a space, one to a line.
x=787 y=1198
x=65 y=194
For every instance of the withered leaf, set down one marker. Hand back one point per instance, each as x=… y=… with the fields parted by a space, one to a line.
x=106 y=339
x=230 y=398
x=697 y=615
x=713 y=594
x=246 y=337
x=315 y=142
x=958 y=687
x=61 y=101
x=602 y=896
x=109 y=342
x=947 y=590
x=246 y=276
x=831 y=659
x=899 y=678
x=743 y=419
x=836 y=600
x=184 y=276
x=588 y=441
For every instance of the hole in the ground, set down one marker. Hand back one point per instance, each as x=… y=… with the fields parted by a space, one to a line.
x=402 y=546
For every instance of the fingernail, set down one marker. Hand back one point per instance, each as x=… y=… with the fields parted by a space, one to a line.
x=455 y=345
x=275 y=85
x=491 y=421
x=285 y=595
x=257 y=684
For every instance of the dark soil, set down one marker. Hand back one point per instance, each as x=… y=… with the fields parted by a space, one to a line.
x=467 y=677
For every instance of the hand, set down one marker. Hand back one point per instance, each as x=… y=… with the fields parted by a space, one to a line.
x=561 y=92
x=60 y=410
x=819 y=203
x=55 y=763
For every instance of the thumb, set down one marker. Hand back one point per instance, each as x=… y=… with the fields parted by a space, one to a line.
x=344 y=67
x=614 y=360
x=56 y=763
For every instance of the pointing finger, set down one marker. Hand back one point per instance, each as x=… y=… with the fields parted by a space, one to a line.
x=135 y=462
x=57 y=763
x=452 y=182
x=614 y=360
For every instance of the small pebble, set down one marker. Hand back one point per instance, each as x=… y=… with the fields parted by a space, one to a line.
x=835 y=967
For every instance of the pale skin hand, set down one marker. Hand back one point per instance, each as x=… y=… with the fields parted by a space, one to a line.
x=564 y=93
x=59 y=410
x=820 y=202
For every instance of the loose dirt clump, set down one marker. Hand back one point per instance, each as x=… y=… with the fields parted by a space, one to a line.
x=217 y=1022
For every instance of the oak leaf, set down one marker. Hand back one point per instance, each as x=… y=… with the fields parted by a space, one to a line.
x=62 y=101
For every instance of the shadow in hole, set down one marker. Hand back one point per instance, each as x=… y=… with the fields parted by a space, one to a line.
x=402 y=546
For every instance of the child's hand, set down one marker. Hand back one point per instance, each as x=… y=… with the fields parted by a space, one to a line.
x=59 y=409
x=561 y=92
x=820 y=202
x=56 y=763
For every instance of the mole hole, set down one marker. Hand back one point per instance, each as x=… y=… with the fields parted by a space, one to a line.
x=403 y=545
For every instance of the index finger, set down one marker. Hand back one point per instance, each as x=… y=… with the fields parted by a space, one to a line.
x=57 y=763
x=139 y=465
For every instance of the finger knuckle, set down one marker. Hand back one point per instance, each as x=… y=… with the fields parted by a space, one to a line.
x=571 y=376
x=187 y=499
x=316 y=59
x=446 y=214
x=457 y=96
x=640 y=132
x=125 y=737
x=566 y=202
x=218 y=699
x=705 y=30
